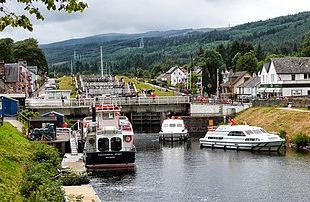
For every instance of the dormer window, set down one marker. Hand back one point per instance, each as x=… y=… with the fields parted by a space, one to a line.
x=293 y=77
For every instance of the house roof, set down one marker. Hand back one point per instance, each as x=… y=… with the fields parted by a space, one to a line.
x=172 y=69
x=267 y=66
x=251 y=83
x=234 y=78
x=296 y=65
x=161 y=76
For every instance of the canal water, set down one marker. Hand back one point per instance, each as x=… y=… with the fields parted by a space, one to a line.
x=184 y=172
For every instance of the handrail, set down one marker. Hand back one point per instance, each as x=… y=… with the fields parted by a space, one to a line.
x=123 y=101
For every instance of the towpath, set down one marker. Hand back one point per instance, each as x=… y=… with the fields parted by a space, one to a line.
x=296 y=110
x=14 y=122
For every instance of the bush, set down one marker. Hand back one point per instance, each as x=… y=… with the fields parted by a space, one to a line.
x=39 y=180
x=72 y=179
x=282 y=133
x=301 y=139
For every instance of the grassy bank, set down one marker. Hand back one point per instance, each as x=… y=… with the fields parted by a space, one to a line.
x=142 y=85
x=65 y=83
x=275 y=119
x=27 y=169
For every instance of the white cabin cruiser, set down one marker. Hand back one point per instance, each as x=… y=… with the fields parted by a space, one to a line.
x=241 y=137
x=109 y=140
x=173 y=130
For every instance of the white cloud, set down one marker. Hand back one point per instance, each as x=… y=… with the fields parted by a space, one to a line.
x=129 y=16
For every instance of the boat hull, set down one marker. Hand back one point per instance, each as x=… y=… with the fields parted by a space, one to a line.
x=270 y=146
x=173 y=136
x=110 y=160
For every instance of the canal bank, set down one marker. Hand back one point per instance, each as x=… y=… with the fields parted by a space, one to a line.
x=86 y=192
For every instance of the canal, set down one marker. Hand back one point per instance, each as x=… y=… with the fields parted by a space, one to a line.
x=184 y=172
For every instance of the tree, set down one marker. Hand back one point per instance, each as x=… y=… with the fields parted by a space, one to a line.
x=259 y=53
x=305 y=46
x=10 y=18
x=6 y=50
x=247 y=62
x=210 y=63
x=29 y=50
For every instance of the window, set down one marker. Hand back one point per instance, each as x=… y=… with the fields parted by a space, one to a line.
x=308 y=92
x=165 y=125
x=257 y=131
x=293 y=77
x=272 y=78
x=305 y=76
x=179 y=125
x=263 y=131
x=103 y=144
x=116 y=144
x=172 y=125
x=107 y=116
x=296 y=92
x=236 y=133
x=249 y=132
x=215 y=138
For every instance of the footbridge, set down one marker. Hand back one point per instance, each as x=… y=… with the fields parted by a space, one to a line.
x=129 y=105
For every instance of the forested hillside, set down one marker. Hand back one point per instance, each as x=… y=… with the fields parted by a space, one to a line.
x=282 y=35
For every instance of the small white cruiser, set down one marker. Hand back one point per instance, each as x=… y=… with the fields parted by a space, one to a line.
x=241 y=137
x=173 y=130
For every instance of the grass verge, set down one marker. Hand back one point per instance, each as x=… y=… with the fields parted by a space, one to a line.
x=274 y=120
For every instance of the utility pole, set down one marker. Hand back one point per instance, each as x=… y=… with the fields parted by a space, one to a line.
x=71 y=68
x=101 y=62
x=217 y=83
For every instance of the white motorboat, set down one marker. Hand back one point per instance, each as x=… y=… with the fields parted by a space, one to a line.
x=241 y=137
x=173 y=130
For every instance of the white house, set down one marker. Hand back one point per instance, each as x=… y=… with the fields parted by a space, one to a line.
x=288 y=77
x=175 y=75
x=250 y=87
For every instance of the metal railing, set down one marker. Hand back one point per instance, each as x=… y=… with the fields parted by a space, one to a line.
x=122 y=101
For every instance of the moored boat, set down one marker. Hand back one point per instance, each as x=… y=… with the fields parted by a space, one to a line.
x=173 y=130
x=109 y=140
x=241 y=137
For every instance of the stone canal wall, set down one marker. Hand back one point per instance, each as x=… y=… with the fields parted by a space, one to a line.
x=199 y=125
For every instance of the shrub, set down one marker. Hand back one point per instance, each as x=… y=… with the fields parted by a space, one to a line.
x=72 y=179
x=301 y=139
x=282 y=133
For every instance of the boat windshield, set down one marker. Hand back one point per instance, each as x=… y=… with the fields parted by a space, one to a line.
x=108 y=116
x=257 y=131
x=263 y=131
x=249 y=132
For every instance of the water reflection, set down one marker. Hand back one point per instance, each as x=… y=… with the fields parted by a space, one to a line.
x=183 y=172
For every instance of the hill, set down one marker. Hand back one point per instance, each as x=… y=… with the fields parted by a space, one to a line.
x=275 y=119
x=277 y=35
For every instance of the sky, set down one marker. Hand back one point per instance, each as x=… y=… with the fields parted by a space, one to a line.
x=136 y=16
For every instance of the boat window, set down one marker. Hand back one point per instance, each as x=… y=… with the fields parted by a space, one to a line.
x=179 y=125
x=165 y=125
x=236 y=133
x=249 y=132
x=116 y=144
x=107 y=116
x=215 y=138
x=172 y=125
x=263 y=131
x=103 y=144
x=257 y=131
